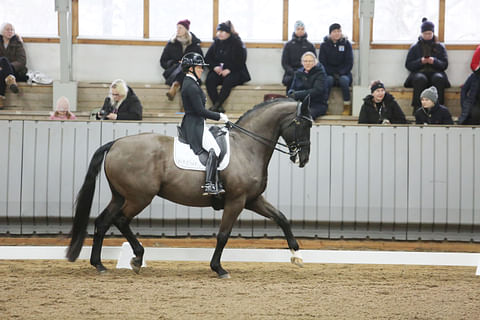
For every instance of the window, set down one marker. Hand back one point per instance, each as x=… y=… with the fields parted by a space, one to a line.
x=30 y=18
x=319 y=15
x=461 y=21
x=399 y=22
x=111 y=18
x=164 y=15
x=254 y=20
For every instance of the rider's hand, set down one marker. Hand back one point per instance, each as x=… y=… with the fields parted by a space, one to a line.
x=223 y=117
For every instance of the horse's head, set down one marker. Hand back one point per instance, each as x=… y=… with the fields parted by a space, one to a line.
x=296 y=133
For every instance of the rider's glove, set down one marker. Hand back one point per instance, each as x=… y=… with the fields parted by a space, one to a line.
x=223 y=117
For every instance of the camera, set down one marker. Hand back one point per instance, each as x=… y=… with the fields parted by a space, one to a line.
x=102 y=114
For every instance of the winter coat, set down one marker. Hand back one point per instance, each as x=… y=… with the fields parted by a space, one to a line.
x=390 y=111
x=292 y=54
x=129 y=109
x=232 y=53
x=438 y=114
x=15 y=53
x=193 y=121
x=337 y=58
x=470 y=100
x=173 y=53
x=311 y=83
x=432 y=48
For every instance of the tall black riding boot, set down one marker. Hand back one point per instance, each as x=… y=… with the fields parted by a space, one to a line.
x=210 y=187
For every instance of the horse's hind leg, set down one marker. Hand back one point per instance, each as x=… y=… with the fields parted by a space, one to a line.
x=123 y=224
x=102 y=224
x=264 y=208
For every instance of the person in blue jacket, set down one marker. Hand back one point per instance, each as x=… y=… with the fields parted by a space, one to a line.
x=431 y=111
x=336 y=55
x=427 y=61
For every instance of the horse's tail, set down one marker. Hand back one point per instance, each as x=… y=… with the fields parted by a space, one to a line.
x=83 y=203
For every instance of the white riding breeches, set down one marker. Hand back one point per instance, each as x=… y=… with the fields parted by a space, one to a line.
x=208 y=141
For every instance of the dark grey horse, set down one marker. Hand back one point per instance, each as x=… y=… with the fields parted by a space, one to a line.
x=140 y=167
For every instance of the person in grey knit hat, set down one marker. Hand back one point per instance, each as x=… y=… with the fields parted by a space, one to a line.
x=431 y=111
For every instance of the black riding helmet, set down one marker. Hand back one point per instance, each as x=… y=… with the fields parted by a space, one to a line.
x=192 y=59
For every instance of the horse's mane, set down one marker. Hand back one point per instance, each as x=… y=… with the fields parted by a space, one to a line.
x=262 y=105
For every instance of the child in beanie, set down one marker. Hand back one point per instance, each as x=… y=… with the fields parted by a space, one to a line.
x=431 y=111
x=62 y=110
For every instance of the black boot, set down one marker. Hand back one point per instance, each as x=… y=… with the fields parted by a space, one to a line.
x=210 y=187
x=220 y=187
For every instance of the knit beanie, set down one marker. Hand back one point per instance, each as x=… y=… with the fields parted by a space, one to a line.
x=224 y=27
x=185 y=23
x=62 y=104
x=430 y=93
x=427 y=25
x=334 y=26
x=376 y=85
x=298 y=24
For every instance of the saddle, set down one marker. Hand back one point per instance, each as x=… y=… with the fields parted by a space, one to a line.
x=185 y=159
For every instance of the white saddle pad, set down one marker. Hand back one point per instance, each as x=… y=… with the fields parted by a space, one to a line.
x=185 y=158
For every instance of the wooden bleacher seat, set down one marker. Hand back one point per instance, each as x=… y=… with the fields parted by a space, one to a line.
x=34 y=102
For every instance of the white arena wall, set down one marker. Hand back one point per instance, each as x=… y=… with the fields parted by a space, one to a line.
x=103 y=63
x=381 y=182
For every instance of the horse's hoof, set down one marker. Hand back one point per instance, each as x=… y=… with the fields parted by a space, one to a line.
x=224 y=276
x=135 y=266
x=101 y=269
x=297 y=261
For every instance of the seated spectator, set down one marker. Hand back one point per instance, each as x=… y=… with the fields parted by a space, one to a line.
x=427 y=61
x=336 y=55
x=310 y=80
x=13 y=60
x=181 y=43
x=431 y=111
x=121 y=103
x=226 y=57
x=470 y=94
x=62 y=110
x=293 y=51
x=380 y=107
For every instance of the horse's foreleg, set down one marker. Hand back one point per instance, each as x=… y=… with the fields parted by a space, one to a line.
x=230 y=215
x=264 y=208
x=123 y=224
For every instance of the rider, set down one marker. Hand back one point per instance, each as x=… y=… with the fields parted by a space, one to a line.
x=193 y=124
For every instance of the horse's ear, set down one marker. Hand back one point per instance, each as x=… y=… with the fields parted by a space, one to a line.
x=305 y=111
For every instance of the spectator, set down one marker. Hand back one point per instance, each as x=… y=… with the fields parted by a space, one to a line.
x=13 y=60
x=121 y=103
x=181 y=43
x=427 y=61
x=470 y=94
x=431 y=111
x=380 y=107
x=62 y=110
x=227 y=58
x=310 y=80
x=293 y=51
x=475 y=60
x=336 y=55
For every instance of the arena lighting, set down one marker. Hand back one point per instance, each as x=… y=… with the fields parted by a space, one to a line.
x=458 y=259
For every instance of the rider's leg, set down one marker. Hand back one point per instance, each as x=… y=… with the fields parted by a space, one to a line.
x=209 y=144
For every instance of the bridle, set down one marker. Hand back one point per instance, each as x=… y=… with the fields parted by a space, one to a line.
x=294 y=146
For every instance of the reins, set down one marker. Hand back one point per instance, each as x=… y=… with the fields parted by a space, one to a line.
x=261 y=139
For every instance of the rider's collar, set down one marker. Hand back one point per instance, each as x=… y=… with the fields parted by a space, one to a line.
x=192 y=76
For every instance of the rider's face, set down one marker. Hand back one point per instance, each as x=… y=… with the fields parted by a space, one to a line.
x=198 y=71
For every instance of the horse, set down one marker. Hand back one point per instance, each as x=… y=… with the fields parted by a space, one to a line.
x=140 y=167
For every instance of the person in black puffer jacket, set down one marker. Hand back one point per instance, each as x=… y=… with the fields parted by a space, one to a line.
x=427 y=61
x=181 y=43
x=226 y=57
x=336 y=55
x=293 y=51
x=431 y=111
x=380 y=107
x=310 y=80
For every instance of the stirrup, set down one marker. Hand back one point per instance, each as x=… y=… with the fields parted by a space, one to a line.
x=209 y=189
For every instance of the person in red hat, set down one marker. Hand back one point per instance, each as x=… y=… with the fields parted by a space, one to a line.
x=180 y=44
